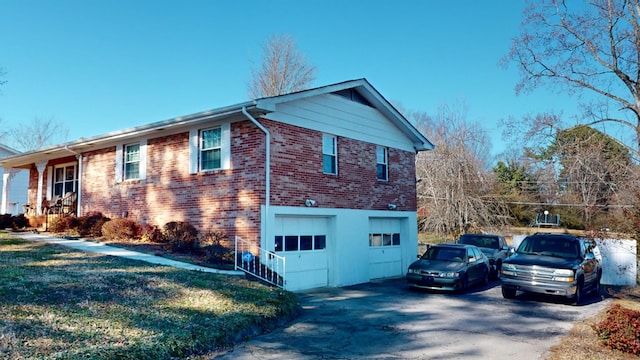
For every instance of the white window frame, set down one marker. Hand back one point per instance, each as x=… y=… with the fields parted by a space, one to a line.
x=382 y=162
x=333 y=154
x=377 y=240
x=51 y=179
x=195 y=148
x=120 y=161
x=130 y=162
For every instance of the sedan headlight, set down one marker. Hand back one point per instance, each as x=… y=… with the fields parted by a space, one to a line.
x=414 y=271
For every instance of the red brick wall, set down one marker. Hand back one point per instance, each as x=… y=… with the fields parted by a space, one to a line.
x=230 y=200
x=226 y=200
x=297 y=174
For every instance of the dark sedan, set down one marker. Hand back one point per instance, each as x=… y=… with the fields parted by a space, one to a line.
x=449 y=267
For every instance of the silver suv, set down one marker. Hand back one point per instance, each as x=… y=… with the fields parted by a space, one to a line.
x=553 y=264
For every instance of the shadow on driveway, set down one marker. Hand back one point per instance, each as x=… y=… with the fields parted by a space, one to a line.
x=384 y=319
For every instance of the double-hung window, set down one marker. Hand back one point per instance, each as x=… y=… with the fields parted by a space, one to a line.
x=211 y=149
x=65 y=179
x=329 y=154
x=382 y=162
x=132 y=161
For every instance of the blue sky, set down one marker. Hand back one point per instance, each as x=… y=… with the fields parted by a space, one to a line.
x=100 y=66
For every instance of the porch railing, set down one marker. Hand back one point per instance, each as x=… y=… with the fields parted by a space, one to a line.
x=261 y=263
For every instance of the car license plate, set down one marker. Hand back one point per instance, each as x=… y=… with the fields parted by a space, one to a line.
x=428 y=279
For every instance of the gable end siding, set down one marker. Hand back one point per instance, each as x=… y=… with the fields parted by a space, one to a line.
x=342 y=117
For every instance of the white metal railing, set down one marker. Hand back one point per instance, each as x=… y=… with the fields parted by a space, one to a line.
x=261 y=263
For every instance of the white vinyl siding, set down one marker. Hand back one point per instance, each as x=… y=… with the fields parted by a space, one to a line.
x=341 y=117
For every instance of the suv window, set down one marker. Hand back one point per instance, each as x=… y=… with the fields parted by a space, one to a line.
x=480 y=241
x=548 y=245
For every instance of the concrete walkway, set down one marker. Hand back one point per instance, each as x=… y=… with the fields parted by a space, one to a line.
x=97 y=247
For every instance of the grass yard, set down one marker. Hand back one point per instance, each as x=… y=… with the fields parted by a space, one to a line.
x=58 y=303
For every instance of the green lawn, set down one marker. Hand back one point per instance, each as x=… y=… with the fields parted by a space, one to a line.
x=58 y=303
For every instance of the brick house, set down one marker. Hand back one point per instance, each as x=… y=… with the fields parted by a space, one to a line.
x=339 y=203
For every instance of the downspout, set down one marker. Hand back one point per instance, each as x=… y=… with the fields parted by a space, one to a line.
x=79 y=197
x=267 y=168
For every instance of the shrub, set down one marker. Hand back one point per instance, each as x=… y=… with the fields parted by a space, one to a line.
x=64 y=224
x=215 y=251
x=181 y=236
x=13 y=222
x=20 y=221
x=91 y=224
x=151 y=233
x=120 y=229
x=620 y=330
x=5 y=221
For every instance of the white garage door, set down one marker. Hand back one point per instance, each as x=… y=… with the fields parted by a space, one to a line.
x=385 y=251
x=302 y=240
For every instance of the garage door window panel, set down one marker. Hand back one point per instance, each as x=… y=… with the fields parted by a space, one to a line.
x=306 y=242
x=290 y=243
x=378 y=240
x=319 y=242
x=300 y=243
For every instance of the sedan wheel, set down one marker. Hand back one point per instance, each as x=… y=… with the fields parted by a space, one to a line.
x=485 y=277
x=461 y=285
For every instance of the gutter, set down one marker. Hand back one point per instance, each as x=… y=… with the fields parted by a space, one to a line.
x=267 y=167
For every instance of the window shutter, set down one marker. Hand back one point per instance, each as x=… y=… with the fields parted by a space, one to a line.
x=119 y=165
x=143 y=159
x=193 y=151
x=226 y=146
x=49 y=182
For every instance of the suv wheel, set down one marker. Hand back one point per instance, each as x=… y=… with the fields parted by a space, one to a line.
x=508 y=293
x=577 y=299
x=596 y=286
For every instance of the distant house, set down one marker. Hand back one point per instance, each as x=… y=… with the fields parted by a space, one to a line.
x=14 y=196
x=324 y=178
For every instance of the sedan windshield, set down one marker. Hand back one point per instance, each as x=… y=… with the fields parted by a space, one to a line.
x=444 y=254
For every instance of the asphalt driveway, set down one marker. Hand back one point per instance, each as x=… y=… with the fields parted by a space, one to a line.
x=386 y=320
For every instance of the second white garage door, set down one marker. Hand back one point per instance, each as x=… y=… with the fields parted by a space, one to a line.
x=385 y=251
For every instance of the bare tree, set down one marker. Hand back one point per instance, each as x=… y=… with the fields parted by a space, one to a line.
x=455 y=187
x=2 y=74
x=37 y=134
x=283 y=69
x=583 y=47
